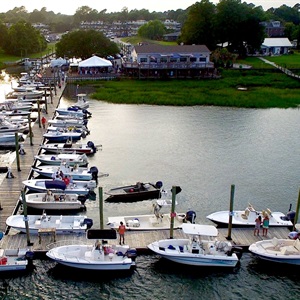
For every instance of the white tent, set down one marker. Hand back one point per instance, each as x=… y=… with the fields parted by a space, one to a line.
x=95 y=61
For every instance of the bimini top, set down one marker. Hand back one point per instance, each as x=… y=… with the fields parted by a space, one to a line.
x=197 y=229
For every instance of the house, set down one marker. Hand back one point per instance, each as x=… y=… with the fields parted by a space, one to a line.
x=273 y=29
x=153 y=60
x=276 y=46
x=170 y=37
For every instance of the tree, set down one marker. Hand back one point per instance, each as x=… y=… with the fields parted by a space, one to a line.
x=24 y=39
x=238 y=24
x=153 y=30
x=199 y=26
x=3 y=34
x=84 y=44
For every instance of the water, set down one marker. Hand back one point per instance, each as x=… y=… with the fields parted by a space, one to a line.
x=204 y=150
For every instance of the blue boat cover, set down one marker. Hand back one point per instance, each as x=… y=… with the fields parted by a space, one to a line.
x=55 y=184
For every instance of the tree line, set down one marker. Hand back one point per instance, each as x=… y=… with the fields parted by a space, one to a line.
x=230 y=21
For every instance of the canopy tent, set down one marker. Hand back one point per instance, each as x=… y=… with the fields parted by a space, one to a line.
x=95 y=61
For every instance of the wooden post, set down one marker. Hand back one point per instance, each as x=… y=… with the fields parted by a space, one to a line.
x=297 y=212
x=26 y=217
x=101 y=207
x=51 y=94
x=17 y=150
x=30 y=130
x=39 y=113
x=46 y=104
x=173 y=211
x=230 y=212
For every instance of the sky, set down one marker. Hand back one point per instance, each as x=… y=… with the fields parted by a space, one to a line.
x=70 y=7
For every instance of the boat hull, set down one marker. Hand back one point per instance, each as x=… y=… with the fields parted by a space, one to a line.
x=284 y=251
x=61 y=224
x=239 y=219
x=87 y=258
x=165 y=249
x=53 y=202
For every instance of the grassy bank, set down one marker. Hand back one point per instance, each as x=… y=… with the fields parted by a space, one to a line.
x=264 y=90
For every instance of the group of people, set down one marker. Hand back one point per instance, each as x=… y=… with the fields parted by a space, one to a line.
x=265 y=224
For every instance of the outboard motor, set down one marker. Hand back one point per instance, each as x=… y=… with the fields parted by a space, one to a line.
x=92 y=145
x=82 y=199
x=290 y=216
x=237 y=250
x=190 y=216
x=88 y=222
x=131 y=253
x=94 y=171
x=159 y=184
x=29 y=255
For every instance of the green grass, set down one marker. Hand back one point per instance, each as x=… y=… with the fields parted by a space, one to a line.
x=134 y=40
x=4 y=58
x=264 y=90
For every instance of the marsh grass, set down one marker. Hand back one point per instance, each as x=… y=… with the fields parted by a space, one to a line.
x=264 y=90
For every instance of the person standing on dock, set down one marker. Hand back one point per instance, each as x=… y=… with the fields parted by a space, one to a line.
x=44 y=121
x=257 y=225
x=266 y=222
x=121 y=231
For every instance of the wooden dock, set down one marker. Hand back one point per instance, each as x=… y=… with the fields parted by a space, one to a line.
x=10 y=191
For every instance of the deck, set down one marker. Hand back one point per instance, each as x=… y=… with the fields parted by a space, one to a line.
x=10 y=190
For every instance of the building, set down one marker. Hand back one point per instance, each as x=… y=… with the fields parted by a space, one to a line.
x=178 y=61
x=273 y=29
x=276 y=46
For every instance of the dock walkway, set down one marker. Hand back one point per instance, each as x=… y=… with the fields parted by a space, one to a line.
x=10 y=191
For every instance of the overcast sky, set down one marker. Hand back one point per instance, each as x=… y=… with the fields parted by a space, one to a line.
x=70 y=7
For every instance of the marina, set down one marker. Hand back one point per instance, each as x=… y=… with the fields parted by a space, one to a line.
x=137 y=239
x=129 y=160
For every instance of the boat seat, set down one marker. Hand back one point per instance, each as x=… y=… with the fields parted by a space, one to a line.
x=288 y=250
x=297 y=245
x=1 y=252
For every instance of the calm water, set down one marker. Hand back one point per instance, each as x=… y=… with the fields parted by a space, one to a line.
x=204 y=150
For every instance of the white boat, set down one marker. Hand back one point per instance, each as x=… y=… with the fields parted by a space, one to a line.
x=14 y=259
x=155 y=221
x=32 y=94
x=75 y=187
x=7 y=126
x=247 y=217
x=284 y=251
x=82 y=130
x=70 y=111
x=101 y=257
x=82 y=103
x=198 y=250
x=57 y=159
x=55 y=201
x=61 y=137
x=69 y=147
x=15 y=105
x=68 y=123
x=77 y=173
x=9 y=137
x=61 y=224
